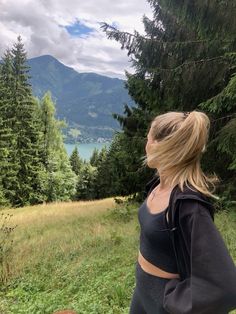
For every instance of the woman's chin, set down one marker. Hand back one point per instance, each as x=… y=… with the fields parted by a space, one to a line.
x=151 y=165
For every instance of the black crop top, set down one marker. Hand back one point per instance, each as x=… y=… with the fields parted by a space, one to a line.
x=155 y=242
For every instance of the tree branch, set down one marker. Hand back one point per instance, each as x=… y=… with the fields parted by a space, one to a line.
x=105 y=27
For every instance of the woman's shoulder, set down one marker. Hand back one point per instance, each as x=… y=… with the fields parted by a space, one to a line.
x=193 y=201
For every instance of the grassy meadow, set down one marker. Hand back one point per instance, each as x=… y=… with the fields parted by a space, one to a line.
x=78 y=255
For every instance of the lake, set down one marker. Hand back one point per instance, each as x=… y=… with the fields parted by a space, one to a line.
x=85 y=150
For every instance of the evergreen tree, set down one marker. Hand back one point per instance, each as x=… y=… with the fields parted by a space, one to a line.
x=93 y=177
x=94 y=159
x=77 y=165
x=4 y=153
x=117 y=170
x=186 y=61
x=76 y=161
x=27 y=131
x=103 y=177
x=8 y=161
x=86 y=187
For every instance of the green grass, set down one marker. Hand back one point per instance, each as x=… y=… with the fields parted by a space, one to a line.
x=80 y=256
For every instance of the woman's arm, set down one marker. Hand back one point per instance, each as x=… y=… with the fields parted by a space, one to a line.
x=211 y=287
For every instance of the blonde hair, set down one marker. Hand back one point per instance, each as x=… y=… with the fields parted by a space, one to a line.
x=181 y=139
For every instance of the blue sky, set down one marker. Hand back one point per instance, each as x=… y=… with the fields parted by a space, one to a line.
x=78 y=29
x=70 y=31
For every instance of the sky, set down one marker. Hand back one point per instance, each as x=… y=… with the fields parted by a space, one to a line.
x=70 y=31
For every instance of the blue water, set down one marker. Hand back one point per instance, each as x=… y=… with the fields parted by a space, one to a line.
x=85 y=150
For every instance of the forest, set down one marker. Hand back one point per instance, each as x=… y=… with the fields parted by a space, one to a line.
x=185 y=61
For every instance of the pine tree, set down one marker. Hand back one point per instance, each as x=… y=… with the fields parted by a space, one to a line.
x=86 y=187
x=117 y=169
x=27 y=131
x=185 y=61
x=8 y=163
x=76 y=161
x=4 y=153
x=94 y=159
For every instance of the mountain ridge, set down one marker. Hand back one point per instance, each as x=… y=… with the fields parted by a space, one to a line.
x=85 y=100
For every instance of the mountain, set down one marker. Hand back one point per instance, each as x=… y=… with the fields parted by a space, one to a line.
x=85 y=100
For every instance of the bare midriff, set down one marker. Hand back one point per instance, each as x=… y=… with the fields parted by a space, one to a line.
x=154 y=270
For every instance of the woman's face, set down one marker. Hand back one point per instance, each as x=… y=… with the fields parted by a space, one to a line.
x=150 y=143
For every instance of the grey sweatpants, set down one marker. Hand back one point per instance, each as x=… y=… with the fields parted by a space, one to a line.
x=148 y=293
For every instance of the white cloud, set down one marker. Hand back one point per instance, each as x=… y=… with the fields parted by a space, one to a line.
x=40 y=22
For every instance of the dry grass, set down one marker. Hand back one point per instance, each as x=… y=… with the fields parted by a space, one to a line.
x=40 y=214
x=55 y=228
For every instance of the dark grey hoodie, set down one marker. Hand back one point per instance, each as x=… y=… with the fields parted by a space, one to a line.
x=207 y=283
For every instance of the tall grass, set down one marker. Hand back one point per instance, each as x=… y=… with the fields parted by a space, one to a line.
x=78 y=255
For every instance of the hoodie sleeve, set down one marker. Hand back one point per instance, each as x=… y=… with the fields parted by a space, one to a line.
x=211 y=287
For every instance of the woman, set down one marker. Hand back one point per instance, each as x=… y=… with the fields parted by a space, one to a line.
x=175 y=143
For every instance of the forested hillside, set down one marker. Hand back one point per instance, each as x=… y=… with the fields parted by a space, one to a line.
x=85 y=100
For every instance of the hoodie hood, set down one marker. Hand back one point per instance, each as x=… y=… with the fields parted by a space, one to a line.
x=187 y=193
